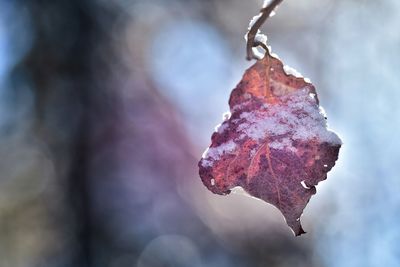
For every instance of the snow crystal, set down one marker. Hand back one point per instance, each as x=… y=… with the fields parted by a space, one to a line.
x=307 y=80
x=206 y=163
x=283 y=144
x=299 y=119
x=214 y=153
x=220 y=128
x=240 y=106
x=256 y=127
x=253 y=152
x=262 y=38
x=322 y=111
x=303 y=183
x=205 y=153
x=267 y=3
x=254 y=20
x=291 y=71
x=226 y=115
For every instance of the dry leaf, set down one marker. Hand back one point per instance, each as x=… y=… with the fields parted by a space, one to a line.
x=275 y=143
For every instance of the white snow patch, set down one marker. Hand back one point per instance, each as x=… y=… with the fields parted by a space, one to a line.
x=303 y=183
x=214 y=153
x=240 y=106
x=205 y=153
x=253 y=152
x=226 y=115
x=247 y=96
x=254 y=20
x=322 y=111
x=291 y=71
x=299 y=119
x=220 y=128
x=283 y=144
x=307 y=80
x=259 y=54
x=273 y=54
x=262 y=38
x=267 y=3
x=257 y=125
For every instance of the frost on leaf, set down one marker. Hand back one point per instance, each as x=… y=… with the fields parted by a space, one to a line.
x=275 y=144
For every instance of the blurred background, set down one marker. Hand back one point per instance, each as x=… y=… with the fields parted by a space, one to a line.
x=107 y=106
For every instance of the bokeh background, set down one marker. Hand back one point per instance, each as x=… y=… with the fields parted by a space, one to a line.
x=106 y=107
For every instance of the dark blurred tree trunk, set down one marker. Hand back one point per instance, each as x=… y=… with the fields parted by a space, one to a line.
x=59 y=65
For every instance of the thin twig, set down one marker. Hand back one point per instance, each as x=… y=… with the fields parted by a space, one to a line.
x=253 y=31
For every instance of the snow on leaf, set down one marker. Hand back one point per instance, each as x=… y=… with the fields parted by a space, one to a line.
x=275 y=144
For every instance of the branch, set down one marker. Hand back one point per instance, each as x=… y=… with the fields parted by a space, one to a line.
x=253 y=31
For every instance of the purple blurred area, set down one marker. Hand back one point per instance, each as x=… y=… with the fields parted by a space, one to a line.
x=107 y=106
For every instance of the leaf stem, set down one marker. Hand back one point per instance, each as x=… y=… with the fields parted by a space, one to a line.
x=265 y=12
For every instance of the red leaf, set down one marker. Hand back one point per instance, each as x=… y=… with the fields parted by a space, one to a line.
x=275 y=144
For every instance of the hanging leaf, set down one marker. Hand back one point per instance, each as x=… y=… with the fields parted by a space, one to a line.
x=275 y=143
